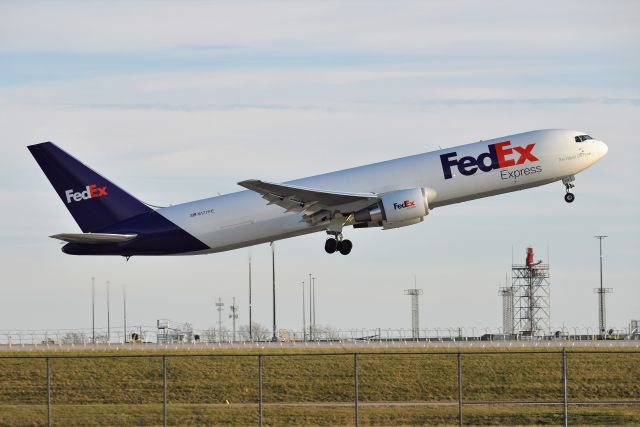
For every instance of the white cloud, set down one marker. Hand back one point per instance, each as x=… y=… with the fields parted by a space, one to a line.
x=398 y=27
x=170 y=134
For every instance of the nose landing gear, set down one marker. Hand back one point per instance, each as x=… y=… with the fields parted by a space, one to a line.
x=338 y=244
x=569 y=197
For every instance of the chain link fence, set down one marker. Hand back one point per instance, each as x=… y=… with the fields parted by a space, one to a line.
x=185 y=334
x=339 y=388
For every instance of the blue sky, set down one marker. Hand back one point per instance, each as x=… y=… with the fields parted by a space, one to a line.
x=180 y=100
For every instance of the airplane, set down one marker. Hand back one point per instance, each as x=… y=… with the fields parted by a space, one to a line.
x=390 y=194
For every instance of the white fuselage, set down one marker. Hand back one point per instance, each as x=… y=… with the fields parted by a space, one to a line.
x=243 y=219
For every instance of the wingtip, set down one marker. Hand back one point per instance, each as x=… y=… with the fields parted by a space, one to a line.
x=247 y=182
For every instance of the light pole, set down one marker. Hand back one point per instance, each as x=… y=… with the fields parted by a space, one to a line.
x=234 y=316
x=108 y=314
x=313 y=281
x=602 y=323
x=124 y=310
x=93 y=310
x=304 y=315
x=310 y=309
x=273 y=276
x=219 y=306
x=250 y=327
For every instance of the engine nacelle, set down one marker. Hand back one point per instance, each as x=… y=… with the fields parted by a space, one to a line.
x=397 y=209
x=405 y=205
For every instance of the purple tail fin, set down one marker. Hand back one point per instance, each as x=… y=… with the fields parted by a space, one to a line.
x=93 y=201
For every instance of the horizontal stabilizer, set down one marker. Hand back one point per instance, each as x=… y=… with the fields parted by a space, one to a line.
x=94 y=238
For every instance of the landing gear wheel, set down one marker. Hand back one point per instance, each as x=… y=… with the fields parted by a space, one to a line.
x=345 y=247
x=330 y=246
x=567 y=181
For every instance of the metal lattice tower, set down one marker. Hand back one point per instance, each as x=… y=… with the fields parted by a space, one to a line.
x=415 y=311
x=634 y=328
x=532 y=297
x=507 y=310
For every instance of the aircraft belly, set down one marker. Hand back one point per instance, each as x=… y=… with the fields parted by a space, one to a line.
x=286 y=225
x=243 y=233
x=234 y=220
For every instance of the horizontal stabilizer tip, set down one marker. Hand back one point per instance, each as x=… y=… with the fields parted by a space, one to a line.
x=94 y=238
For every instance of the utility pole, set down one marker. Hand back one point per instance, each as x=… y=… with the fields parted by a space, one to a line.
x=124 y=310
x=219 y=306
x=233 y=316
x=108 y=314
x=304 y=315
x=273 y=275
x=93 y=310
x=602 y=322
x=250 y=326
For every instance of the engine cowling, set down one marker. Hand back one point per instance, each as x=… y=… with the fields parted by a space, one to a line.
x=397 y=209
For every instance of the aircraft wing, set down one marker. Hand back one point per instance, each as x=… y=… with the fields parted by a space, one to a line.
x=94 y=238
x=307 y=200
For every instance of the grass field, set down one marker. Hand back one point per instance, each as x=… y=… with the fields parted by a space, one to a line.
x=303 y=387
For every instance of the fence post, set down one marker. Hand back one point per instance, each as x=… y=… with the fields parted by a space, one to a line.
x=49 y=420
x=459 y=389
x=164 y=390
x=564 y=387
x=260 y=390
x=355 y=385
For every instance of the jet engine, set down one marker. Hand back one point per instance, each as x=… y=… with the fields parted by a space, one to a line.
x=396 y=209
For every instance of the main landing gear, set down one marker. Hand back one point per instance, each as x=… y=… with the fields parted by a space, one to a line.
x=569 y=197
x=338 y=244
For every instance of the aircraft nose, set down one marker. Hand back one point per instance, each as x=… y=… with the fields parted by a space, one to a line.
x=602 y=149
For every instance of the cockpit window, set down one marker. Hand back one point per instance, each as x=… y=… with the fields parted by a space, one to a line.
x=581 y=138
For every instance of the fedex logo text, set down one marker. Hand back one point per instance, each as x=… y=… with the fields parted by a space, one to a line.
x=91 y=191
x=405 y=204
x=500 y=155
